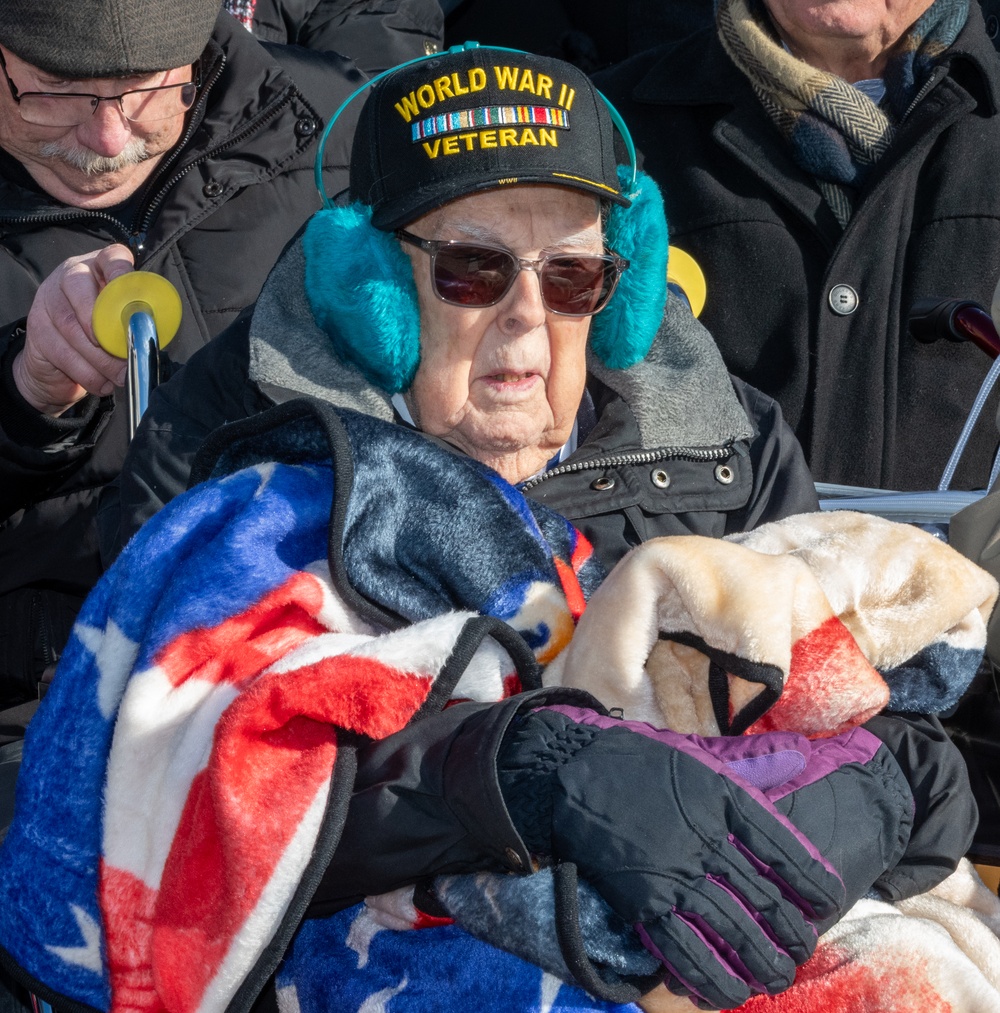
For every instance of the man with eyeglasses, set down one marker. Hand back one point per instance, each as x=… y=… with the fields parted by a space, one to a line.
x=158 y=135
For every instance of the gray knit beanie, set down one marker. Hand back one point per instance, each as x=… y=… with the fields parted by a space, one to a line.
x=107 y=38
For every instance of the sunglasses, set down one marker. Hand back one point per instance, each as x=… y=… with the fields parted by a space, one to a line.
x=477 y=275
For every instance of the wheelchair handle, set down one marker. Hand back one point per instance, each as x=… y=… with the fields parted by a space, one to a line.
x=135 y=316
x=954 y=320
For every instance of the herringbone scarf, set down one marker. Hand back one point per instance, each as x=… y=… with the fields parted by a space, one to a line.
x=837 y=133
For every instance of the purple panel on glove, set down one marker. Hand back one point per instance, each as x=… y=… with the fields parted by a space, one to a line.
x=755 y=762
x=769 y=770
x=772 y=764
x=827 y=755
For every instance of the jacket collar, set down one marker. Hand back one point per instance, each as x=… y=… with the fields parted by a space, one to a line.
x=246 y=88
x=972 y=62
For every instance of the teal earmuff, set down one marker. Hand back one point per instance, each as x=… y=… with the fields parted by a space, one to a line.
x=369 y=314
x=360 y=285
x=623 y=331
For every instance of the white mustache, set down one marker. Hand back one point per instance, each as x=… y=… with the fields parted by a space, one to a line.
x=93 y=164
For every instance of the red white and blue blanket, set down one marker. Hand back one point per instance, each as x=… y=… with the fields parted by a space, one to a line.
x=185 y=779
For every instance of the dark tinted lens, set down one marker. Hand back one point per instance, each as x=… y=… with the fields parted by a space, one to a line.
x=469 y=275
x=577 y=286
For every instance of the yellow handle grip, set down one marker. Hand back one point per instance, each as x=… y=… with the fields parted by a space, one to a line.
x=683 y=271
x=135 y=292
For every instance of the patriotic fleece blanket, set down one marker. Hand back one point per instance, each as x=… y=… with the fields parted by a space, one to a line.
x=186 y=776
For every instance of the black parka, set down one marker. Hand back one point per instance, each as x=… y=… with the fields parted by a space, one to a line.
x=870 y=405
x=212 y=220
x=374 y=34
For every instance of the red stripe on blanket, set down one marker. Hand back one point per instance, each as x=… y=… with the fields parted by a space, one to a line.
x=834 y=980
x=582 y=551
x=128 y=906
x=246 y=644
x=511 y=685
x=830 y=687
x=426 y=921
x=571 y=588
x=272 y=756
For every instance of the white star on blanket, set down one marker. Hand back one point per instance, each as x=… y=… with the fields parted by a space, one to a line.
x=114 y=655
x=88 y=955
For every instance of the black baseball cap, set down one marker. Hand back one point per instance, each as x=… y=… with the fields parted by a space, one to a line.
x=477 y=118
x=107 y=38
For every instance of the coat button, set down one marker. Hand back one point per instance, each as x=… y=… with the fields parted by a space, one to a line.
x=430 y=46
x=659 y=478
x=992 y=26
x=724 y=474
x=305 y=126
x=603 y=484
x=843 y=300
x=513 y=858
x=212 y=188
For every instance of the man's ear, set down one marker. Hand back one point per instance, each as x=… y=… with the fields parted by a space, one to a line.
x=359 y=283
x=623 y=331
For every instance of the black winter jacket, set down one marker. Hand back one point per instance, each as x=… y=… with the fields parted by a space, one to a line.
x=212 y=220
x=374 y=34
x=869 y=404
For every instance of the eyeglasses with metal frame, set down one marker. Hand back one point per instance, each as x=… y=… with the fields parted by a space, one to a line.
x=72 y=108
x=477 y=275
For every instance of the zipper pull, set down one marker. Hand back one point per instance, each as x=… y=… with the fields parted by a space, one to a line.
x=137 y=244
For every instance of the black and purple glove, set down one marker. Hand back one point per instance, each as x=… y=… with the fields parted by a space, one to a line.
x=708 y=846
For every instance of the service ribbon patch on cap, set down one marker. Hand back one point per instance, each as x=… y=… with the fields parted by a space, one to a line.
x=485 y=116
x=476 y=118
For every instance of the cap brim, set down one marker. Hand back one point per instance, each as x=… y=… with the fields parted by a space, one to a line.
x=409 y=207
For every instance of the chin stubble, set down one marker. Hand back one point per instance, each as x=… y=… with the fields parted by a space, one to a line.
x=93 y=164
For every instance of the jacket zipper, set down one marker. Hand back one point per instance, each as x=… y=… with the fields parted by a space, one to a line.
x=68 y=216
x=937 y=74
x=252 y=127
x=620 y=460
x=39 y=626
x=138 y=235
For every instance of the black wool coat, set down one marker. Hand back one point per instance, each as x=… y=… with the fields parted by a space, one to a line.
x=870 y=405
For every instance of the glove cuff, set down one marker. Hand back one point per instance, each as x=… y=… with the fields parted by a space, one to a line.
x=533 y=750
